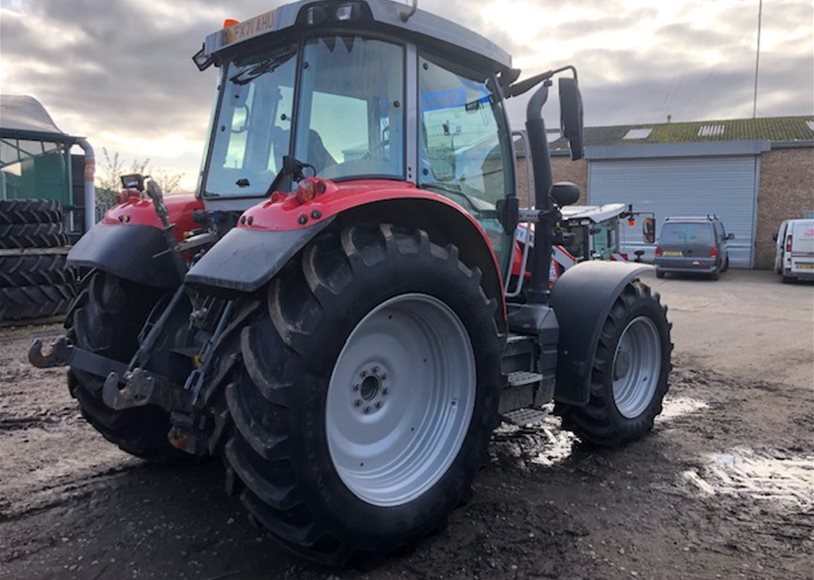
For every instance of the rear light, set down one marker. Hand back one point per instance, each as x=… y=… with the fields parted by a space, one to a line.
x=658 y=251
x=713 y=252
x=309 y=188
x=788 y=243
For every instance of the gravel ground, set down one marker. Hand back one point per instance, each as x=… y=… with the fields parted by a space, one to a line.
x=723 y=488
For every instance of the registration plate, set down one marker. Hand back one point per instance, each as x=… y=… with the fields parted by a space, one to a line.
x=672 y=253
x=805 y=266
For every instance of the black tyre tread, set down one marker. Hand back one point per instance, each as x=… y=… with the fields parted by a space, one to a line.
x=265 y=406
x=599 y=423
x=15 y=236
x=30 y=211
x=35 y=269
x=105 y=304
x=23 y=302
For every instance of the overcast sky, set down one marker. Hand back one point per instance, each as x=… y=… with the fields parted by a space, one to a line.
x=119 y=71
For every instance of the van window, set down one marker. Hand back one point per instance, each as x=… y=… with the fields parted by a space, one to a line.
x=688 y=233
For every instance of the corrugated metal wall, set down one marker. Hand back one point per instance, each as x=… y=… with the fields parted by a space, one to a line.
x=725 y=186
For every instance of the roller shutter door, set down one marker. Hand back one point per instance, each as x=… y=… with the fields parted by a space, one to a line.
x=724 y=186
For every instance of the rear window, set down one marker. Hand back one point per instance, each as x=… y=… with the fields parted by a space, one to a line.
x=678 y=233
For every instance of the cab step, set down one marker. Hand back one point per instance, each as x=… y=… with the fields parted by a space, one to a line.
x=523 y=417
x=521 y=378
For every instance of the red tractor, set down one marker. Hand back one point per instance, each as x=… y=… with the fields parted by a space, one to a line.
x=328 y=312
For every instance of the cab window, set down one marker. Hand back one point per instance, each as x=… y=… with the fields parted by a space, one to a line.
x=350 y=120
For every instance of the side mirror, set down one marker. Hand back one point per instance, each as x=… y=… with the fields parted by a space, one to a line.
x=565 y=193
x=730 y=236
x=571 y=116
x=649 y=230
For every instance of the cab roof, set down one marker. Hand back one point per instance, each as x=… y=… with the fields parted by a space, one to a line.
x=422 y=27
x=594 y=213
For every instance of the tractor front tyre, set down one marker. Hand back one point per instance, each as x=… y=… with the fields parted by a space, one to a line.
x=370 y=394
x=630 y=371
x=106 y=320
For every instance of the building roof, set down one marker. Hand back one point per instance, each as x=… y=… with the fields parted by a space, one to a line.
x=23 y=116
x=776 y=130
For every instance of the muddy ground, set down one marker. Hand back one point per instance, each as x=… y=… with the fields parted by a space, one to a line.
x=723 y=488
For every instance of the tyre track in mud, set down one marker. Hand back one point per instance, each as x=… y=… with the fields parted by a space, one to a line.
x=74 y=506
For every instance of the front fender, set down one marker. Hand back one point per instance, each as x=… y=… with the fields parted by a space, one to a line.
x=130 y=251
x=582 y=299
x=245 y=259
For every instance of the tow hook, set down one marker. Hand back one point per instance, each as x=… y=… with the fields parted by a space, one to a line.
x=136 y=392
x=52 y=357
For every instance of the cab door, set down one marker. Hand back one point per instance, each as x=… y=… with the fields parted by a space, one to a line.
x=464 y=144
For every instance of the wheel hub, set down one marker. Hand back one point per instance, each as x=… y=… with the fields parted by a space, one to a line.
x=371 y=390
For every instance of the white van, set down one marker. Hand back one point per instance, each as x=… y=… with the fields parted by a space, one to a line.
x=794 y=250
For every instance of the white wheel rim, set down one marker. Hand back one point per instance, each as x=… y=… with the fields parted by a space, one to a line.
x=400 y=399
x=636 y=367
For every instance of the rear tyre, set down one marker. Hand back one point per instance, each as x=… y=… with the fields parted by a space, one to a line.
x=106 y=320
x=370 y=393
x=715 y=276
x=630 y=372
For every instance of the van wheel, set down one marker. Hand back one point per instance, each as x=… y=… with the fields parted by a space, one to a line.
x=715 y=276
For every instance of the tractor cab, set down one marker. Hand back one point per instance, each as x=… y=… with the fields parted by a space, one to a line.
x=355 y=93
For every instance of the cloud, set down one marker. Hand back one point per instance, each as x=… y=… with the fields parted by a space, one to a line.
x=120 y=71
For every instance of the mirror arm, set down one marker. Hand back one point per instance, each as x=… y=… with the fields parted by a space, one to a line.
x=517 y=89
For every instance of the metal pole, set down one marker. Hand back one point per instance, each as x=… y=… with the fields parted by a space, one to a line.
x=757 y=56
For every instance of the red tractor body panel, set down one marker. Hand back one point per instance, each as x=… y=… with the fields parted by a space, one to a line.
x=138 y=211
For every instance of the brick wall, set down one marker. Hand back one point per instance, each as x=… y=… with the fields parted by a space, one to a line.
x=564 y=170
x=786 y=190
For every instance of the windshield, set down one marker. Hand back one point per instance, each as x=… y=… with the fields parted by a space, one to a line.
x=253 y=129
x=687 y=233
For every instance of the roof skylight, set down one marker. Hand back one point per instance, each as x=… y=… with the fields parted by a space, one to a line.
x=711 y=130
x=638 y=133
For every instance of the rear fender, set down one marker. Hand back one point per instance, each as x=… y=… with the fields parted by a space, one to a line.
x=582 y=299
x=249 y=257
x=129 y=242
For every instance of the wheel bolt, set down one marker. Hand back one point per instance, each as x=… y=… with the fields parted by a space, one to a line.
x=367 y=409
x=357 y=403
x=385 y=391
x=375 y=370
x=364 y=373
x=355 y=387
x=384 y=376
x=379 y=405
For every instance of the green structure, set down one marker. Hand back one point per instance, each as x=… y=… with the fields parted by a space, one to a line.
x=35 y=158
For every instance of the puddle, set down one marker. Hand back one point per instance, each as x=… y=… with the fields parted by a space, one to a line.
x=544 y=443
x=680 y=406
x=777 y=476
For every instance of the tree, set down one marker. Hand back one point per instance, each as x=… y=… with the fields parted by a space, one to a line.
x=108 y=180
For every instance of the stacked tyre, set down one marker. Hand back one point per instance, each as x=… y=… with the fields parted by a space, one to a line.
x=35 y=282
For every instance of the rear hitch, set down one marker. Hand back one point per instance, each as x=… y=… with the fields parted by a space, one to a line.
x=140 y=387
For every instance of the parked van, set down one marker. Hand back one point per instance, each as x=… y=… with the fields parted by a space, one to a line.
x=794 y=250
x=693 y=245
